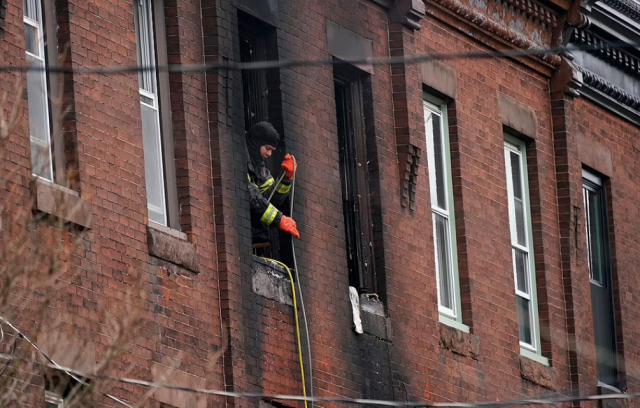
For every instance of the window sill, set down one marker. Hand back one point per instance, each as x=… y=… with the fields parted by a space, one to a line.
x=449 y=321
x=61 y=202
x=171 y=246
x=537 y=370
x=457 y=340
x=271 y=281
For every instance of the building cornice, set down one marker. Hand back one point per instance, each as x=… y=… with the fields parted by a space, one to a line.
x=494 y=28
x=628 y=8
x=616 y=57
x=535 y=11
x=618 y=94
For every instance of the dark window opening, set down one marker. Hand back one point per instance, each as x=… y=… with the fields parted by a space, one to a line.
x=354 y=179
x=600 y=277
x=262 y=102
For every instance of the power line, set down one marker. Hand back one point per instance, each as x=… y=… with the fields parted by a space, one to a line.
x=70 y=373
x=357 y=401
x=248 y=66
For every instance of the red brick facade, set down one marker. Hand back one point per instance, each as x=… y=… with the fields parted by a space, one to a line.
x=198 y=284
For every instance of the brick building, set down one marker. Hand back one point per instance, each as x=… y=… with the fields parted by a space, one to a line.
x=483 y=209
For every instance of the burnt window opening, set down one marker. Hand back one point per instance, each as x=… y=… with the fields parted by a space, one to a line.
x=354 y=178
x=262 y=102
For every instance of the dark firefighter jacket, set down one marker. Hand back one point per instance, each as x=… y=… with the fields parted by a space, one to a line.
x=264 y=214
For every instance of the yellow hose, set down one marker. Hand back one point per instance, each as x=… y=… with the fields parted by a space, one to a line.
x=295 y=311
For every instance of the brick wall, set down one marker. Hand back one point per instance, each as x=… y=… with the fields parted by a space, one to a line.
x=405 y=353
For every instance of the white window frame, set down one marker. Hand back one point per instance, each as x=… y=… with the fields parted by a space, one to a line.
x=513 y=145
x=53 y=398
x=148 y=34
x=39 y=26
x=450 y=316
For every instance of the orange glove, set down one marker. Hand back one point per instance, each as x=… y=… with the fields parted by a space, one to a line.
x=289 y=166
x=287 y=224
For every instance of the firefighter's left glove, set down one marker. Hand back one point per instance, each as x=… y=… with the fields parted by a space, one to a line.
x=287 y=224
x=289 y=166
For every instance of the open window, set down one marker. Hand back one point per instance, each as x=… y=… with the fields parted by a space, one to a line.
x=354 y=177
x=262 y=102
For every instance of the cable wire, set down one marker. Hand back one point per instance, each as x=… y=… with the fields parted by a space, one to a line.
x=56 y=365
x=239 y=66
x=344 y=400
x=295 y=268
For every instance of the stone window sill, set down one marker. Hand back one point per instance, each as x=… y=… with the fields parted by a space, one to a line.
x=172 y=246
x=537 y=372
x=61 y=202
x=459 y=341
x=271 y=281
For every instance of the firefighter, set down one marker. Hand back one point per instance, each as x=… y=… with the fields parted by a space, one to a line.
x=261 y=140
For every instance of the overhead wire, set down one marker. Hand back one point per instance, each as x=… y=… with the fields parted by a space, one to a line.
x=356 y=401
x=239 y=66
x=69 y=372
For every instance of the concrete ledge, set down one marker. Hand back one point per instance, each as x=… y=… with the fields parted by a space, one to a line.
x=271 y=281
x=459 y=342
x=537 y=373
x=440 y=77
x=61 y=202
x=172 y=248
x=517 y=116
x=595 y=155
x=374 y=321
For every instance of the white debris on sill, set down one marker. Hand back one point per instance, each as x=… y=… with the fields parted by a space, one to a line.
x=355 y=308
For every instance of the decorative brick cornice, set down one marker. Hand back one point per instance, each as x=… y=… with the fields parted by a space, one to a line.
x=619 y=95
x=501 y=31
x=617 y=57
x=629 y=8
x=534 y=11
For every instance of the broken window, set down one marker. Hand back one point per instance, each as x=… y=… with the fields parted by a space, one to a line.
x=354 y=178
x=261 y=100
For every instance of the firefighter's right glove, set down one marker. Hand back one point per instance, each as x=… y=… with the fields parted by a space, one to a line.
x=289 y=166
x=287 y=224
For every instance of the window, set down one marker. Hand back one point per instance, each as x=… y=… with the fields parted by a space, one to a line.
x=53 y=400
x=38 y=90
x=443 y=217
x=521 y=246
x=354 y=179
x=599 y=260
x=162 y=197
x=262 y=102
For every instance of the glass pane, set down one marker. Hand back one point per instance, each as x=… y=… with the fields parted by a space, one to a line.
x=39 y=121
x=515 y=175
x=30 y=9
x=524 y=320
x=438 y=153
x=31 y=39
x=145 y=44
x=436 y=160
x=443 y=265
x=596 y=236
x=520 y=226
x=520 y=260
x=153 y=164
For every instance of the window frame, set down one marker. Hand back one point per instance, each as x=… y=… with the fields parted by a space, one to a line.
x=162 y=104
x=434 y=105
x=47 y=46
x=362 y=272
x=515 y=145
x=53 y=398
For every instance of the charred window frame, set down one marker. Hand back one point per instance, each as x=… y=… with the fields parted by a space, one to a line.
x=261 y=96
x=354 y=176
x=160 y=173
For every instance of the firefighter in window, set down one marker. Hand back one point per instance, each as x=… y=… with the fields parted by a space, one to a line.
x=262 y=139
